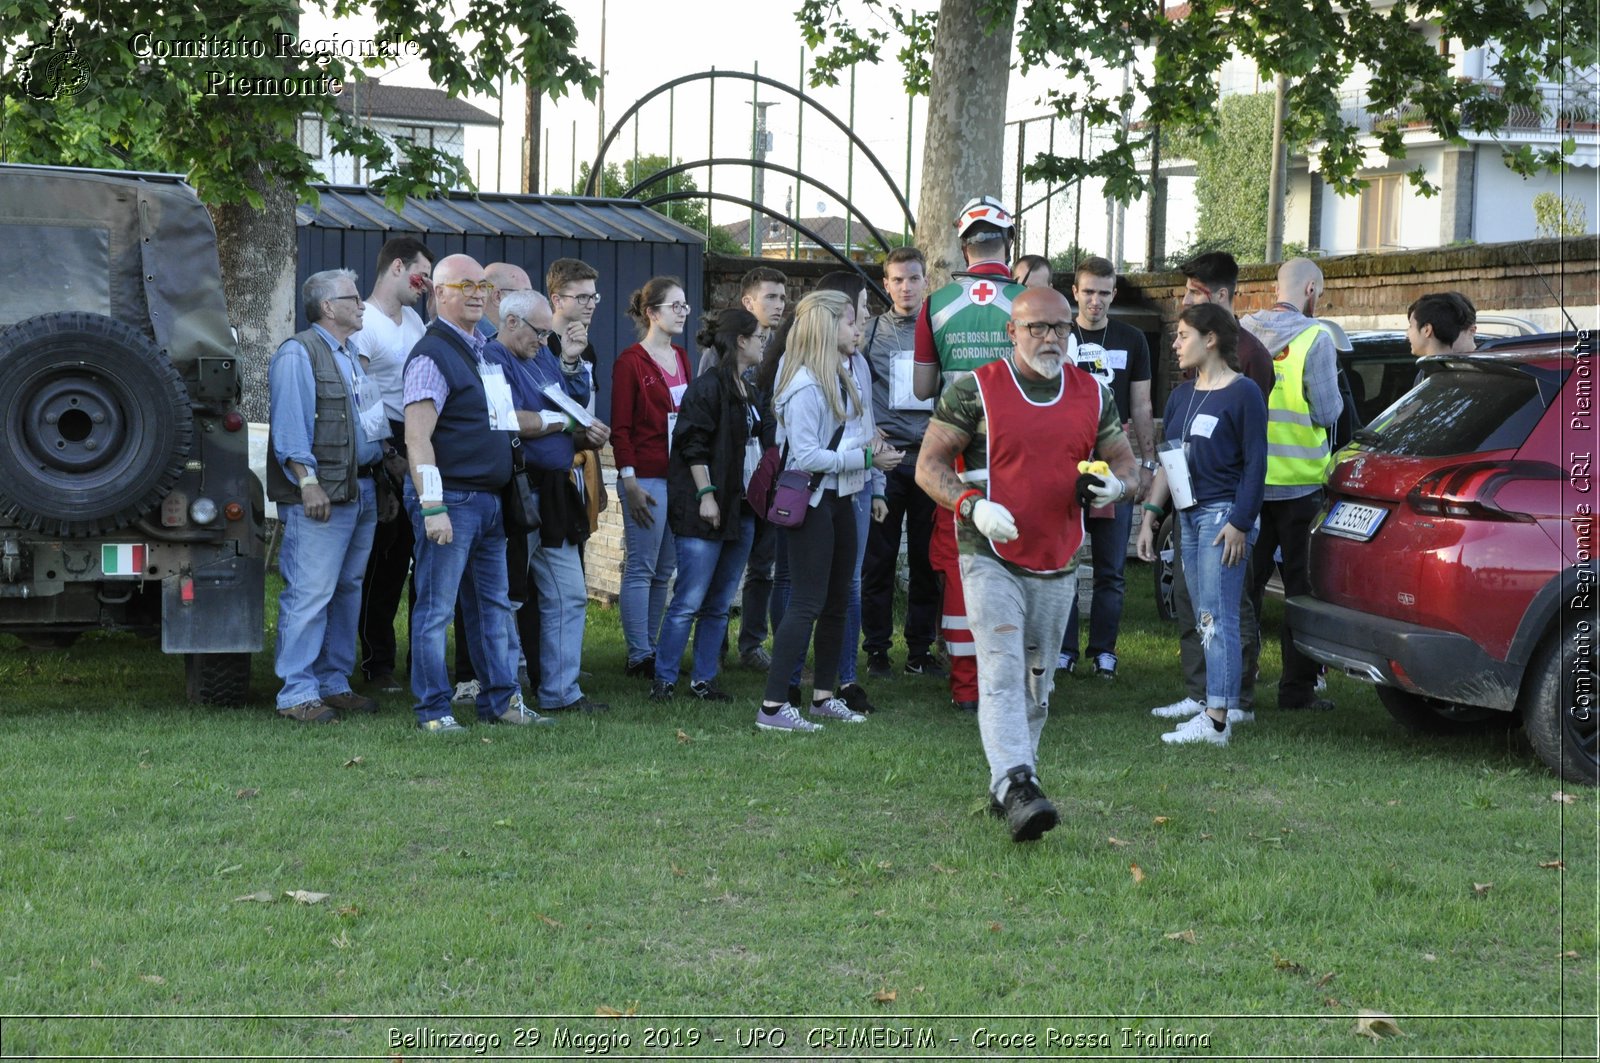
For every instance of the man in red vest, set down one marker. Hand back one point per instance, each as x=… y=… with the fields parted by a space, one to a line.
x=1028 y=424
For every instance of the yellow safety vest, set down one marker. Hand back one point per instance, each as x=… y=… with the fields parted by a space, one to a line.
x=1297 y=449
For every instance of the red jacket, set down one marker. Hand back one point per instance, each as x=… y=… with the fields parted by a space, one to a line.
x=640 y=403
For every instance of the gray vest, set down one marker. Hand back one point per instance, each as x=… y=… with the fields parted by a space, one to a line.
x=333 y=437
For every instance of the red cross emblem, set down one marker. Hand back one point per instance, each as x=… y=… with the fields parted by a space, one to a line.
x=983 y=293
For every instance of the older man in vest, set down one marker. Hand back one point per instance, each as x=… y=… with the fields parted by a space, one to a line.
x=459 y=420
x=1304 y=404
x=326 y=432
x=1026 y=423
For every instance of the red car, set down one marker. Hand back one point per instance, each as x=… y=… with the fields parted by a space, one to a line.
x=1454 y=561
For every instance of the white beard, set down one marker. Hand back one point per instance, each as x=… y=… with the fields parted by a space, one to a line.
x=1047 y=366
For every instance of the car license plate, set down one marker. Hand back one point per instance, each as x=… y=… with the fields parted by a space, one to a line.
x=1353 y=520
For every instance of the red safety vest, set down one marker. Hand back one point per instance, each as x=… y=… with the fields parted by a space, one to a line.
x=1034 y=450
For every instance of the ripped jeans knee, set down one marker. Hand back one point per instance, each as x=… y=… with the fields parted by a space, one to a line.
x=1206 y=626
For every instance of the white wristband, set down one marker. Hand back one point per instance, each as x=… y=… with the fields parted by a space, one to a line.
x=626 y=472
x=553 y=420
x=432 y=483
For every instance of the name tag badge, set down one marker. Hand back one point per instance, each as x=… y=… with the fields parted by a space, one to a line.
x=370 y=412
x=672 y=428
x=497 y=394
x=1203 y=425
x=677 y=391
x=902 y=370
x=1117 y=359
x=752 y=458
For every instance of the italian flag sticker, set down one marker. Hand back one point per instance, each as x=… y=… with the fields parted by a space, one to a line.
x=122 y=559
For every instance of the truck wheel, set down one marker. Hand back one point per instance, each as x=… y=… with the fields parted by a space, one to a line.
x=1562 y=728
x=217 y=678
x=1432 y=716
x=98 y=424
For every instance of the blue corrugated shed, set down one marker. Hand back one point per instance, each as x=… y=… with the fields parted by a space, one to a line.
x=627 y=242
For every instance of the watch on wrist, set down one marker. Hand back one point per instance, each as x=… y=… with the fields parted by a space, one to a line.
x=1148 y=465
x=308 y=479
x=965 y=507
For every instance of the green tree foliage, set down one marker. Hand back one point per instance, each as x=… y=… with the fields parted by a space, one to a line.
x=1318 y=44
x=618 y=177
x=230 y=112
x=1233 y=166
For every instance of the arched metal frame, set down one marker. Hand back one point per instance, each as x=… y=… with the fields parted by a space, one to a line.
x=787 y=171
x=872 y=285
x=596 y=169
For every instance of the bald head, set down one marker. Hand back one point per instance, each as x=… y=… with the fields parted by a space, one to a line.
x=1300 y=284
x=1040 y=356
x=507 y=279
x=1041 y=304
x=462 y=309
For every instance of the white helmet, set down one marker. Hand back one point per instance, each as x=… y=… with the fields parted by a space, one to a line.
x=983 y=209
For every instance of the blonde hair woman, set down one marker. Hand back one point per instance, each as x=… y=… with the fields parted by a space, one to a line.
x=816 y=397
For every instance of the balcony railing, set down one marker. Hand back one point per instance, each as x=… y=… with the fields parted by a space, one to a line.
x=1573 y=107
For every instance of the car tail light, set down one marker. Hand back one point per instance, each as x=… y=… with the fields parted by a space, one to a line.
x=1468 y=491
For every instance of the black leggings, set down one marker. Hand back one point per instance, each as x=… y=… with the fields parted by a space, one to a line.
x=822 y=553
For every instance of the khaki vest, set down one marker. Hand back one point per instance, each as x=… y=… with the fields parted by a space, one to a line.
x=333 y=437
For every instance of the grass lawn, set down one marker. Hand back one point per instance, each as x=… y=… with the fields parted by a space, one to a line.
x=732 y=892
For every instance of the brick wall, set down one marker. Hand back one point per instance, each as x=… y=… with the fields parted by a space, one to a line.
x=1373 y=291
x=1363 y=291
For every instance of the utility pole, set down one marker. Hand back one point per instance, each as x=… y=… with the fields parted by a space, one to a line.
x=532 y=119
x=760 y=144
x=1278 y=179
x=600 y=96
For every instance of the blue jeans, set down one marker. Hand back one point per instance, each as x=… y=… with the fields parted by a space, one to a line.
x=862 y=501
x=1108 y=547
x=708 y=578
x=472 y=564
x=320 y=608
x=563 y=601
x=1215 y=589
x=646 y=570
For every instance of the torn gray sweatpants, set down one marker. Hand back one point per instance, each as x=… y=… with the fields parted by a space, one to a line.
x=1017 y=622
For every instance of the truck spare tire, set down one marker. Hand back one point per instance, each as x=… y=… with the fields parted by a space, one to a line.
x=98 y=424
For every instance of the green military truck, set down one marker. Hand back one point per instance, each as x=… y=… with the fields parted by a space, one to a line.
x=126 y=496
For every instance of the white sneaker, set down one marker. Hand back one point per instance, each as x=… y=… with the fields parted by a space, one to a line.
x=1065 y=662
x=1241 y=716
x=1178 y=710
x=466 y=693
x=1199 y=729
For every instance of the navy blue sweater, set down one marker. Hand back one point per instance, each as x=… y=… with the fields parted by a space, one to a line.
x=1225 y=432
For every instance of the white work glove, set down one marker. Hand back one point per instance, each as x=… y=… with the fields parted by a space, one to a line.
x=994 y=521
x=1107 y=491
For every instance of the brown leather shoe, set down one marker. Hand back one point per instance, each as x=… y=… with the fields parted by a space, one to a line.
x=350 y=701
x=313 y=711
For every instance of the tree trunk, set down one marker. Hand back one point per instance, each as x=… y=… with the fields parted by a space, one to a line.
x=258 y=252
x=965 y=137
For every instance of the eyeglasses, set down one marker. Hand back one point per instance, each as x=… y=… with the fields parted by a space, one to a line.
x=1041 y=329
x=542 y=334
x=585 y=299
x=336 y=298
x=469 y=287
x=682 y=308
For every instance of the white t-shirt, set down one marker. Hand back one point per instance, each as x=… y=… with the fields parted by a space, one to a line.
x=385 y=346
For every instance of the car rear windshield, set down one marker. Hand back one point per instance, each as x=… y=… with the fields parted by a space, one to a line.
x=1460 y=410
